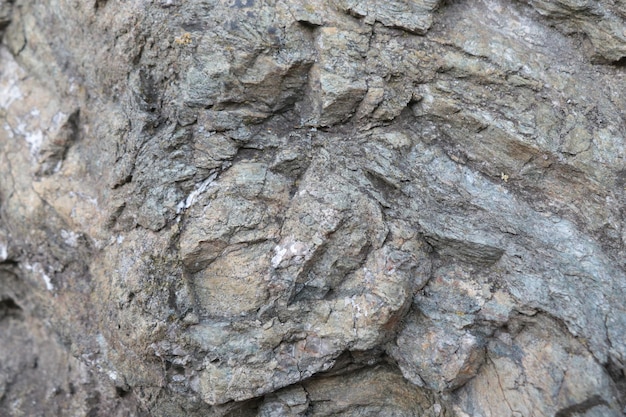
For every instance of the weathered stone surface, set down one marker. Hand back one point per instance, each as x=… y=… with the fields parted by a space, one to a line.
x=6 y=10
x=39 y=376
x=294 y=208
x=413 y=16
x=601 y=21
x=516 y=381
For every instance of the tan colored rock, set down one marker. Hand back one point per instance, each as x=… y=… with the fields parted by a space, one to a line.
x=536 y=373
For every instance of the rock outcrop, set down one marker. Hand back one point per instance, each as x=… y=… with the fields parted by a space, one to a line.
x=312 y=208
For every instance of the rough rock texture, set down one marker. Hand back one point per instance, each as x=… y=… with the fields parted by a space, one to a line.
x=312 y=208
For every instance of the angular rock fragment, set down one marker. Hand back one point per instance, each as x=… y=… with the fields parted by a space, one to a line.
x=530 y=372
x=413 y=16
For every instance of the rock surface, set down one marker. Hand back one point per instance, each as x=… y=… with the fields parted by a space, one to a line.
x=312 y=208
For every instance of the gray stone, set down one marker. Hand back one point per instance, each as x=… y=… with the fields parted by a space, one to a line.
x=290 y=208
x=6 y=10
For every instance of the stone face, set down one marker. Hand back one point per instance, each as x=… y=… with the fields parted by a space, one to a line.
x=311 y=208
x=413 y=16
x=39 y=375
x=602 y=22
x=516 y=362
